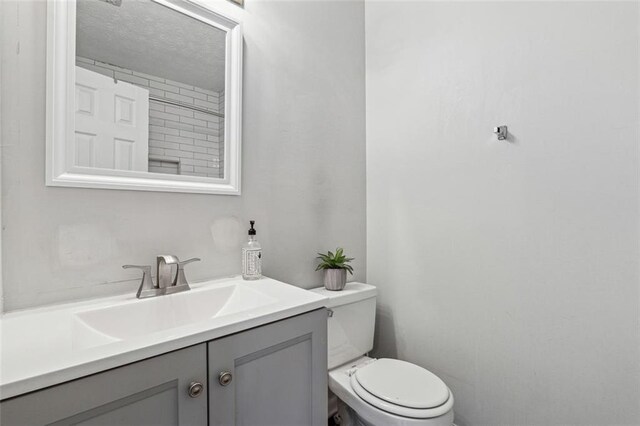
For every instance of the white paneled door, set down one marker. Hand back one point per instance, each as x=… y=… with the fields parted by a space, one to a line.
x=112 y=123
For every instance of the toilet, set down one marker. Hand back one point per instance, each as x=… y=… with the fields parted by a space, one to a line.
x=377 y=392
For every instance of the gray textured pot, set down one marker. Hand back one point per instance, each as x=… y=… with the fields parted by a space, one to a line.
x=335 y=279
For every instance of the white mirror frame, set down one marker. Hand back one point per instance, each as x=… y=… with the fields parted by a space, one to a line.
x=60 y=126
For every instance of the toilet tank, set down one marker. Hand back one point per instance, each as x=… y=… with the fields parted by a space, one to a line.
x=351 y=322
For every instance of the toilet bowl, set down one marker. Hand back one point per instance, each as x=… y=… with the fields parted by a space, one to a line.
x=373 y=406
x=379 y=392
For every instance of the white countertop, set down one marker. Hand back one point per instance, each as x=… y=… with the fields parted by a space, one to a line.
x=38 y=347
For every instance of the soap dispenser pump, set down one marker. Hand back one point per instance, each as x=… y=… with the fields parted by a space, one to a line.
x=252 y=256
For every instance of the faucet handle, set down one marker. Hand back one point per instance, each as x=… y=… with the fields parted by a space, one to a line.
x=143 y=267
x=147 y=287
x=181 y=279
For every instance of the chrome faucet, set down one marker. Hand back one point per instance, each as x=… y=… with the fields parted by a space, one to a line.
x=167 y=281
x=164 y=269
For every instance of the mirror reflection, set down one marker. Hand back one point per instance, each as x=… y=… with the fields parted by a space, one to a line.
x=150 y=90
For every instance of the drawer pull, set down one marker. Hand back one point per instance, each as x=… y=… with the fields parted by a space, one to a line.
x=195 y=389
x=225 y=378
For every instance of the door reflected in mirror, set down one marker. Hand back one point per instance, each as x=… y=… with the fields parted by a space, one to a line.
x=149 y=90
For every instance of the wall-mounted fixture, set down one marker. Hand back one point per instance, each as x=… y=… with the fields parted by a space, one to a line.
x=501 y=131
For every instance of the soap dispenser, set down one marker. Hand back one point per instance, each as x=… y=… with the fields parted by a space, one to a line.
x=252 y=256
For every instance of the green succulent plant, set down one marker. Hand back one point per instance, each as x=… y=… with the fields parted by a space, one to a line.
x=334 y=261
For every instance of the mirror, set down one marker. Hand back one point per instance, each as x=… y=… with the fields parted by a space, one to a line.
x=160 y=77
x=149 y=98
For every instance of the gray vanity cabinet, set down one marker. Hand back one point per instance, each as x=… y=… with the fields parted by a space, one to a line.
x=274 y=375
x=277 y=375
x=150 y=392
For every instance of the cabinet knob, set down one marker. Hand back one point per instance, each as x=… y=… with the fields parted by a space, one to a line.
x=195 y=389
x=225 y=378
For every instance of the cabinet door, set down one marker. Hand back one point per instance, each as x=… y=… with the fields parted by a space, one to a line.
x=278 y=374
x=150 y=392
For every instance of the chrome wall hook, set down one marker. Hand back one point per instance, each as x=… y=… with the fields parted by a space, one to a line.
x=501 y=131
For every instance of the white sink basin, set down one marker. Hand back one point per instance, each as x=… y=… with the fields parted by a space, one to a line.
x=142 y=317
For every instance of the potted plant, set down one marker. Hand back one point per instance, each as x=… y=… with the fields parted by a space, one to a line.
x=335 y=268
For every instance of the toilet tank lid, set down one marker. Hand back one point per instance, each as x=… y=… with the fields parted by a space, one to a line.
x=352 y=292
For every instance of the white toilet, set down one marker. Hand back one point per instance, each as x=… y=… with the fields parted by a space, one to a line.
x=379 y=392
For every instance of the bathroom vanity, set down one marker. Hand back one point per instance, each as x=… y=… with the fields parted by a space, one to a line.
x=258 y=356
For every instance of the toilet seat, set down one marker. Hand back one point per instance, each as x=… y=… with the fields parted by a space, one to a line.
x=401 y=388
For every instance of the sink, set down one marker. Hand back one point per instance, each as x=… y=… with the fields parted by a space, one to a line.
x=142 y=317
x=50 y=345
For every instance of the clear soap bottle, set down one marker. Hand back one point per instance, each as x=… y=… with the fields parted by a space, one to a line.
x=252 y=256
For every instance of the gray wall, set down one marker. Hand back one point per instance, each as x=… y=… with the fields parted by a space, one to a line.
x=508 y=268
x=303 y=166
